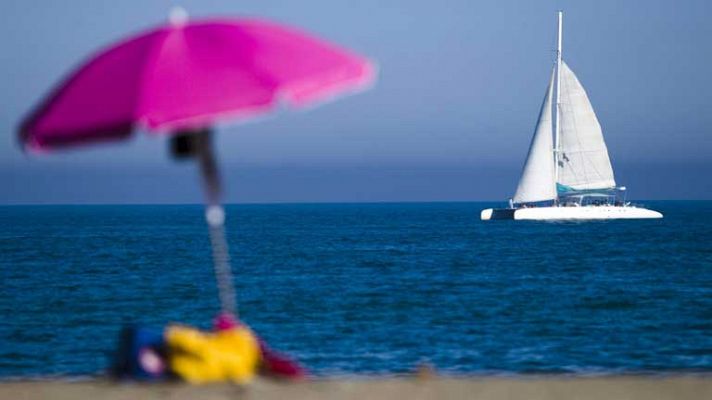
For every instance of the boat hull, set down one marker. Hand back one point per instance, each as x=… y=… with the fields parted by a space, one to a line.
x=569 y=213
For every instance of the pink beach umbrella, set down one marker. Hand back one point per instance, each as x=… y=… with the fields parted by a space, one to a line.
x=183 y=78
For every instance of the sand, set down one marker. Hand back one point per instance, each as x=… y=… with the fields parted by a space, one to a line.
x=684 y=387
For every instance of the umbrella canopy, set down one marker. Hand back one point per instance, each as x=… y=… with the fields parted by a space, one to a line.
x=190 y=75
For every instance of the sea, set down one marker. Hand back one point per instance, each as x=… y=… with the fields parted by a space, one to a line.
x=365 y=288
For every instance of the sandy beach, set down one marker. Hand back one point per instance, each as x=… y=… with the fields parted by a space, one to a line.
x=531 y=388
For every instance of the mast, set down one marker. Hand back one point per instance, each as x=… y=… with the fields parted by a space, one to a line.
x=557 y=127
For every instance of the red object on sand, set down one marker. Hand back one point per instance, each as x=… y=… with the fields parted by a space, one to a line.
x=278 y=365
x=274 y=364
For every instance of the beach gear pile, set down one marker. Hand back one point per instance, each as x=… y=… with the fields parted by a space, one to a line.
x=231 y=352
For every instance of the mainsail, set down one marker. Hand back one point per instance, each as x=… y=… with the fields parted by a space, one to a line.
x=582 y=157
x=537 y=181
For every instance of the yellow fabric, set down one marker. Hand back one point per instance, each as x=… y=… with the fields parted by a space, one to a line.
x=199 y=357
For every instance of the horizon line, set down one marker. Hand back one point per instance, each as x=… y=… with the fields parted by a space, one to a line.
x=276 y=203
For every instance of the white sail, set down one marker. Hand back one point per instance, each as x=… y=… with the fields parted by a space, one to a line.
x=583 y=157
x=537 y=181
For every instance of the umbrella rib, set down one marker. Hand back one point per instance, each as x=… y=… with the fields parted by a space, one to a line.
x=146 y=74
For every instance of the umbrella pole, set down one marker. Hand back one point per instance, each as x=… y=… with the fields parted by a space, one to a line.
x=215 y=217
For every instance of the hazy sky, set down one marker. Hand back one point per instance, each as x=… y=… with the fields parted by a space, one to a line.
x=451 y=116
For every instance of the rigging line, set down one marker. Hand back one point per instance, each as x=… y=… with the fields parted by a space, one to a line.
x=569 y=111
x=578 y=139
x=582 y=151
x=584 y=160
x=584 y=154
x=603 y=150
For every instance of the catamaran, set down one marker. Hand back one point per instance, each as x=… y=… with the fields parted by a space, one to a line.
x=567 y=174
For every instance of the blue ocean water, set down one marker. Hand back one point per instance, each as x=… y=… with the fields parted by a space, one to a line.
x=365 y=288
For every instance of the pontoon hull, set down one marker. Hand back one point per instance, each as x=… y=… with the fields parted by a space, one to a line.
x=569 y=213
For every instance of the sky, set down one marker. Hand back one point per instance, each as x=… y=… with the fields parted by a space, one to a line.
x=450 y=118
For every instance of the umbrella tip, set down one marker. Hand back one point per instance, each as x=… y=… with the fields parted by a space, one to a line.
x=178 y=15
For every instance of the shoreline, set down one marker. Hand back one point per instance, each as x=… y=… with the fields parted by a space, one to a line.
x=550 y=387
